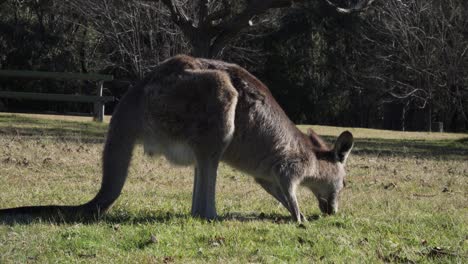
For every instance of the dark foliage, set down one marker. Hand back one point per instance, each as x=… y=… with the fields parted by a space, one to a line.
x=396 y=65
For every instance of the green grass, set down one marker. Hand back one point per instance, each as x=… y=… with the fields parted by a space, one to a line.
x=405 y=202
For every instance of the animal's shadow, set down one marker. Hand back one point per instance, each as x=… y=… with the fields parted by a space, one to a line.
x=122 y=217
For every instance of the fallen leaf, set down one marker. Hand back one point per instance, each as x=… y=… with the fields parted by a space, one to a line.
x=305 y=241
x=168 y=259
x=423 y=195
x=389 y=186
x=215 y=244
x=9 y=160
x=233 y=178
x=363 y=241
x=217 y=241
x=25 y=162
x=439 y=251
x=394 y=257
x=300 y=240
x=87 y=255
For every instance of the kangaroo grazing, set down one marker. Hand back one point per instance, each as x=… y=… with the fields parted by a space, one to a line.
x=200 y=112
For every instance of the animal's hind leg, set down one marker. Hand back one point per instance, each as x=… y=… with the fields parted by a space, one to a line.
x=204 y=189
x=198 y=109
x=214 y=129
x=208 y=154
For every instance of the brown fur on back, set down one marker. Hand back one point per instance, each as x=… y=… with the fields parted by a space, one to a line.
x=264 y=137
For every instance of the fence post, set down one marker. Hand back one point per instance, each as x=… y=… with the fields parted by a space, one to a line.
x=99 y=105
x=440 y=126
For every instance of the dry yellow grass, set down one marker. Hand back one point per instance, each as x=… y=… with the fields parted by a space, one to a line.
x=57 y=117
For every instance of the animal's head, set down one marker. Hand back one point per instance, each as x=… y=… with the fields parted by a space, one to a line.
x=330 y=174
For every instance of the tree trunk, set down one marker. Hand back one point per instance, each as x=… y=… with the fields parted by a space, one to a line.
x=429 y=116
x=403 y=116
x=201 y=48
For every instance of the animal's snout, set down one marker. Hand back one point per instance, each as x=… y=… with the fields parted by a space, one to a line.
x=328 y=207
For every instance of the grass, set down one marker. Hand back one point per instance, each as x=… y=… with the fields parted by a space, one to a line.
x=405 y=202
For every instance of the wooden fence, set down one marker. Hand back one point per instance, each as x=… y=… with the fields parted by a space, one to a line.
x=98 y=100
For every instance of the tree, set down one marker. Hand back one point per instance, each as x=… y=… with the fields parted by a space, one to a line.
x=421 y=56
x=131 y=36
x=311 y=67
x=213 y=24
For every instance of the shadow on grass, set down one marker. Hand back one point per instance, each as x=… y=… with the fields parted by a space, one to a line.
x=122 y=217
x=92 y=132
x=162 y=217
x=271 y=217
x=57 y=134
x=438 y=149
x=33 y=128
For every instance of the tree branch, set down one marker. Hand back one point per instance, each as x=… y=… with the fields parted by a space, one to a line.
x=216 y=35
x=178 y=15
x=230 y=28
x=358 y=7
x=203 y=12
x=223 y=12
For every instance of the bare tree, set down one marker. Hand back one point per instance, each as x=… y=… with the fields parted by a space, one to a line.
x=131 y=36
x=211 y=25
x=422 y=54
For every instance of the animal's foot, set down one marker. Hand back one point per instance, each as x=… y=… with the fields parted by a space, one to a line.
x=303 y=218
x=205 y=214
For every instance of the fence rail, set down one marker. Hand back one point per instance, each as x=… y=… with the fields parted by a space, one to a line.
x=98 y=100
x=56 y=97
x=55 y=75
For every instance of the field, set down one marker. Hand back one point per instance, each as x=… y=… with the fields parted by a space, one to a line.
x=406 y=201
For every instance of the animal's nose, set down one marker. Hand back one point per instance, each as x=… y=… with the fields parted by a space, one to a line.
x=331 y=210
x=327 y=207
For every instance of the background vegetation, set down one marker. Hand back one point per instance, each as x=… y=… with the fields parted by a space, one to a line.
x=405 y=202
x=395 y=64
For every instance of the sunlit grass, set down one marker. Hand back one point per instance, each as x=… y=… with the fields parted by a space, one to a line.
x=406 y=201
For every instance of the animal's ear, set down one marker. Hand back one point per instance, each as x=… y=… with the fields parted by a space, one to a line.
x=317 y=141
x=343 y=146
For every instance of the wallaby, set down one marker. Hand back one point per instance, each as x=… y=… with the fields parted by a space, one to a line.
x=200 y=112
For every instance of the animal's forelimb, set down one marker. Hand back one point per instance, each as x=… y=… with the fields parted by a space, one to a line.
x=289 y=192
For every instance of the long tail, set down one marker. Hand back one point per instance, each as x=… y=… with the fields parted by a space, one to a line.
x=124 y=128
